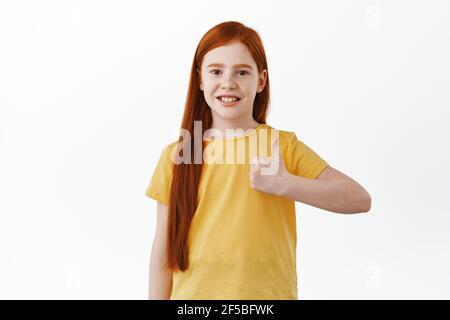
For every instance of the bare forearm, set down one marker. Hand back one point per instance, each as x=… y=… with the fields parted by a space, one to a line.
x=340 y=196
x=160 y=278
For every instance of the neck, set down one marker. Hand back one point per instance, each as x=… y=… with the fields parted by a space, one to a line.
x=223 y=125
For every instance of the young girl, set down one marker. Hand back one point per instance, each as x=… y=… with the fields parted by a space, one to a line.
x=228 y=230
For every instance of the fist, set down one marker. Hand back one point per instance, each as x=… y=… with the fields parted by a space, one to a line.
x=269 y=175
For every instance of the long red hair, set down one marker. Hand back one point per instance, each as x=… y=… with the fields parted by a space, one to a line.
x=186 y=176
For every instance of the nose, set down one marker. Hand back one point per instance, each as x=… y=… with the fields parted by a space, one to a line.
x=228 y=82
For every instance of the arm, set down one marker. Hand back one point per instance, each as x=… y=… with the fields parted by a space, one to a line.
x=160 y=278
x=331 y=190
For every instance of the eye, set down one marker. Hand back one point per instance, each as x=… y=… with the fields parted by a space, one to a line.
x=217 y=72
x=245 y=72
x=213 y=71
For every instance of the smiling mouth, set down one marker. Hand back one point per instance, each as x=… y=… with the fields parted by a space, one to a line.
x=228 y=99
x=229 y=102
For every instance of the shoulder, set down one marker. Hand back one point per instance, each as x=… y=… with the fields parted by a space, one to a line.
x=288 y=139
x=168 y=150
x=170 y=147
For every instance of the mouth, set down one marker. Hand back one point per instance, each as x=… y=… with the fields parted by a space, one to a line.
x=228 y=100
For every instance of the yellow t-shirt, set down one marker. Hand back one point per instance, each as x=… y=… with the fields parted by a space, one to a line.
x=242 y=242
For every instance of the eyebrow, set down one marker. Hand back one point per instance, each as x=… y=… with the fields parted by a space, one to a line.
x=220 y=65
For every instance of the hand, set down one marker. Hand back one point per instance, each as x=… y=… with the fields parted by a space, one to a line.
x=269 y=175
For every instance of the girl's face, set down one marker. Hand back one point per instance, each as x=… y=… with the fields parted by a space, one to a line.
x=231 y=71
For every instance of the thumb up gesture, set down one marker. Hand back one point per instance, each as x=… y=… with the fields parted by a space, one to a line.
x=269 y=175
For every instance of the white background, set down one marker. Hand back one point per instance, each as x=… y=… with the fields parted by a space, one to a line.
x=90 y=92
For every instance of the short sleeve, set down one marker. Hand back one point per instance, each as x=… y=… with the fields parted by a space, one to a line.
x=159 y=186
x=303 y=161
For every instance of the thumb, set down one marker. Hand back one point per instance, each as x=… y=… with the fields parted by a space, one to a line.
x=275 y=149
x=276 y=155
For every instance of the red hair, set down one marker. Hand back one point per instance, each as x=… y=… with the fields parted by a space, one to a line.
x=186 y=176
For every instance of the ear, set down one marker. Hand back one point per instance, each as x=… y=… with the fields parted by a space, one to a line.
x=199 y=77
x=262 y=81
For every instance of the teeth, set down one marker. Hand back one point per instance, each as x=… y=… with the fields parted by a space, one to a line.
x=228 y=99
